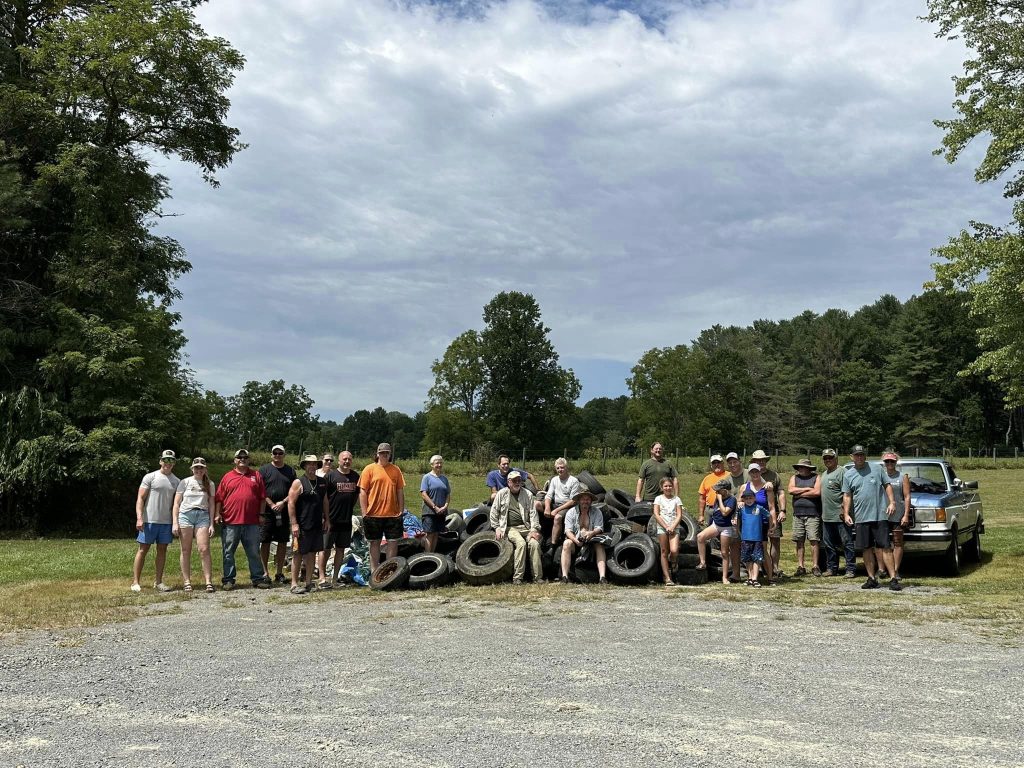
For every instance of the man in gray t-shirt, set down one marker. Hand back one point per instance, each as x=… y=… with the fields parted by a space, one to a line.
x=868 y=501
x=153 y=519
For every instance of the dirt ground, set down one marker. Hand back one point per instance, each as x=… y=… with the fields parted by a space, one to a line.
x=623 y=677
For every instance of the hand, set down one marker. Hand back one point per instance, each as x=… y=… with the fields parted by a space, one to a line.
x=905 y=521
x=534 y=535
x=175 y=531
x=211 y=531
x=890 y=509
x=782 y=515
x=499 y=534
x=442 y=510
x=295 y=530
x=138 y=525
x=279 y=506
x=327 y=525
x=847 y=519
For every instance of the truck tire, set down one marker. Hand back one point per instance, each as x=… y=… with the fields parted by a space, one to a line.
x=632 y=561
x=478 y=521
x=392 y=574
x=455 y=522
x=640 y=512
x=620 y=499
x=951 y=560
x=428 y=569
x=483 y=560
x=591 y=483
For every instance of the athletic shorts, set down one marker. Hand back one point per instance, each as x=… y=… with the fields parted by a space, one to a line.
x=752 y=552
x=434 y=523
x=194 y=518
x=339 y=536
x=808 y=528
x=271 y=531
x=155 y=533
x=311 y=540
x=874 y=534
x=728 y=531
x=375 y=527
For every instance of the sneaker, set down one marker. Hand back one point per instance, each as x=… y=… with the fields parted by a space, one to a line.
x=733 y=580
x=895 y=585
x=517 y=582
x=669 y=583
x=850 y=575
x=279 y=579
x=563 y=579
x=136 y=587
x=800 y=571
x=265 y=584
x=870 y=584
x=227 y=586
x=603 y=581
x=161 y=587
x=830 y=572
x=816 y=571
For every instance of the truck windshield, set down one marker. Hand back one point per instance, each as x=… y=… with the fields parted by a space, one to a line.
x=925 y=478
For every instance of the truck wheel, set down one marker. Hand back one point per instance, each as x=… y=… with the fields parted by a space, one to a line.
x=951 y=560
x=972 y=552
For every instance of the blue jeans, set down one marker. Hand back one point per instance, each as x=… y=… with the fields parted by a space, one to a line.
x=249 y=537
x=839 y=535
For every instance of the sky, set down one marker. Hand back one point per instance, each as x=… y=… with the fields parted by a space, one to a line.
x=644 y=170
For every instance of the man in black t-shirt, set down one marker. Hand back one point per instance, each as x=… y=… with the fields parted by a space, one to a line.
x=278 y=478
x=342 y=495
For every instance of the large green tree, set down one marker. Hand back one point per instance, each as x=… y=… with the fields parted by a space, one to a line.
x=986 y=260
x=91 y=379
x=262 y=415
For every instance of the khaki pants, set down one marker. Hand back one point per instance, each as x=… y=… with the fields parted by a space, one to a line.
x=523 y=544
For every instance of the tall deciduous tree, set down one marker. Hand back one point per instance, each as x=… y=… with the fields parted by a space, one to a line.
x=91 y=381
x=988 y=261
x=262 y=415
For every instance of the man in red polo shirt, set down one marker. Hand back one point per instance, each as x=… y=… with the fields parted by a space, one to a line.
x=241 y=495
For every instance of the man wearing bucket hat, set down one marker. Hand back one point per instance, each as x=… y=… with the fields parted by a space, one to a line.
x=309 y=516
x=382 y=501
x=805 y=488
x=584 y=528
x=868 y=502
x=513 y=515
x=154 y=519
x=240 y=498
x=774 y=549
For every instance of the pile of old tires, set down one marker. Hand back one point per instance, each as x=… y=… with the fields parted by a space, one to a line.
x=468 y=551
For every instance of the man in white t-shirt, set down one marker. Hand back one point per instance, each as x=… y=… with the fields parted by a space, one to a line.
x=153 y=519
x=559 y=498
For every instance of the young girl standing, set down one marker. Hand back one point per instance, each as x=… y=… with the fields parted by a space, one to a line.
x=668 y=513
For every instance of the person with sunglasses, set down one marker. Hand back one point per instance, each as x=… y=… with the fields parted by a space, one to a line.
x=274 y=526
x=192 y=519
x=153 y=519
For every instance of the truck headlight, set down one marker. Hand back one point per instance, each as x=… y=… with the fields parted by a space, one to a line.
x=930 y=514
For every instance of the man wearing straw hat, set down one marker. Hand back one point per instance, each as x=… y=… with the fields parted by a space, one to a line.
x=310 y=517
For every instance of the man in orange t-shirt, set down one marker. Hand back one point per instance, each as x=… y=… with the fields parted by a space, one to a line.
x=707 y=494
x=382 y=500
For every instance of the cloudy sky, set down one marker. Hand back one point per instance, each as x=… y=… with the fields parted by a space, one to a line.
x=645 y=171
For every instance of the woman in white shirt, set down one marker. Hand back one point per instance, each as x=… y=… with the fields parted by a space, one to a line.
x=191 y=516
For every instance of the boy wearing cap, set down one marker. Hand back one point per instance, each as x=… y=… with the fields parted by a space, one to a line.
x=240 y=499
x=754 y=523
x=805 y=488
x=706 y=491
x=154 y=519
x=382 y=501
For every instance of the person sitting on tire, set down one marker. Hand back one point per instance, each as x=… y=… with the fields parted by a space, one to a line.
x=668 y=512
x=560 y=498
x=584 y=527
x=513 y=515
x=720 y=527
x=498 y=478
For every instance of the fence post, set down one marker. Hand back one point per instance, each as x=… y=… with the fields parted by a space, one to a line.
x=523 y=465
x=970 y=453
x=604 y=459
x=993 y=453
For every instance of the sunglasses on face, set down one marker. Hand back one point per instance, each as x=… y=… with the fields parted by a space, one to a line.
x=328 y=461
x=279 y=453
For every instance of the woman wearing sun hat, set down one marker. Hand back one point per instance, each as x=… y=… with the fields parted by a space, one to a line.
x=309 y=514
x=900 y=518
x=192 y=519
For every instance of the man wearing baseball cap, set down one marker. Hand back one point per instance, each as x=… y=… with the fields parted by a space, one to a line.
x=514 y=515
x=837 y=534
x=278 y=478
x=240 y=498
x=308 y=517
x=382 y=500
x=154 y=519
x=865 y=497
x=706 y=492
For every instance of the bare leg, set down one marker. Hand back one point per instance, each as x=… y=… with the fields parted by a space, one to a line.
x=886 y=556
x=775 y=544
x=753 y=571
x=800 y=554
x=868 y=556
x=392 y=548
x=374 y=554
x=309 y=561
x=736 y=557
x=601 y=558
x=185 y=557
x=568 y=550
x=161 y=560
x=279 y=556
x=702 y=542
x=431 y=543
x=663 y=541
x=556 y=528
x=321 y=563
x=140 y=560
x=203 y=541
x=726 y=547
x=815 y=553
x=339 y=558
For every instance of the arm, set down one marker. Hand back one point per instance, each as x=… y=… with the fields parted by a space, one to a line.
x=639 y=488
x=327 y=515
x=293 y=495
x=494 y=518
x=443 y=509
x=814 y=492
x=892 y=499
x=658 y=517
x=794 y=491
x=847 y=500
x=675 y=485
x=428 y=501
x=905 y=520
x=139 y=501
x=780 y=502
x=401 y=500
x=174 y=513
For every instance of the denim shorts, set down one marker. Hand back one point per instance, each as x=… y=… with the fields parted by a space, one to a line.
x=155 y=533
x=728 y=530
x=194 y=518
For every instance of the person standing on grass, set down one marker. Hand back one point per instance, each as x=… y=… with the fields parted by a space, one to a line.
x=899 y=482
x=513 y=515
x=561 y=490
x=584 y=527
x=309 y=517
x=805 y=488
x=652 y=472
x=706 y=491
x=277 y=478
x=755 y=523
x=764 y=495
x=382 y=501
x=192 y=519
x=773 y=553
x=721 y=527
x=154 y=519
x=668 y=514
x=865 y=493
x=436 y=493
x=342 y=495
x=240 y=499
x=837 y=534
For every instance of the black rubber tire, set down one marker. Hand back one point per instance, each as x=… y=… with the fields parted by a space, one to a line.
x=688 y=529
x=686 y=560
x=951 y=559
x=551 y=562
x=483 y=560
x=455 y=522
x=447 y=542
x=478 y=521
x=628 y=527
x=641 y=512
x=392 y=574
x=586 y=573
x=620 y=499
x=690 y=577
x=407 y=547
x=590 y=482
x=453 y=572
x=972 y=549
x=613 y=513
x=633 y=560
x=426 y=570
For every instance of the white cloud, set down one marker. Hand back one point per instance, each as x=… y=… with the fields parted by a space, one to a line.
x=406 y=164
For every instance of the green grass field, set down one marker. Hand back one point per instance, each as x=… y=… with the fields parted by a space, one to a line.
x=55 y=583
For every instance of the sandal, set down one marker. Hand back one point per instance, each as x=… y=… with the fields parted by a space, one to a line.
x=750 y=582
x=209 y=589
x=187 y=587
x=298 y=589
x=325 y=585
x=701 y=566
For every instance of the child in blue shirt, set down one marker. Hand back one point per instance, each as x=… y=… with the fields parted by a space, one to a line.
x=754 y=521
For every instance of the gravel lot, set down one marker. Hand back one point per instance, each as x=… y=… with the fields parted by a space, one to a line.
x=633 y=678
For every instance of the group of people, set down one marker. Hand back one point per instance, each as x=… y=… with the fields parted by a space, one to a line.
x=743 y=507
